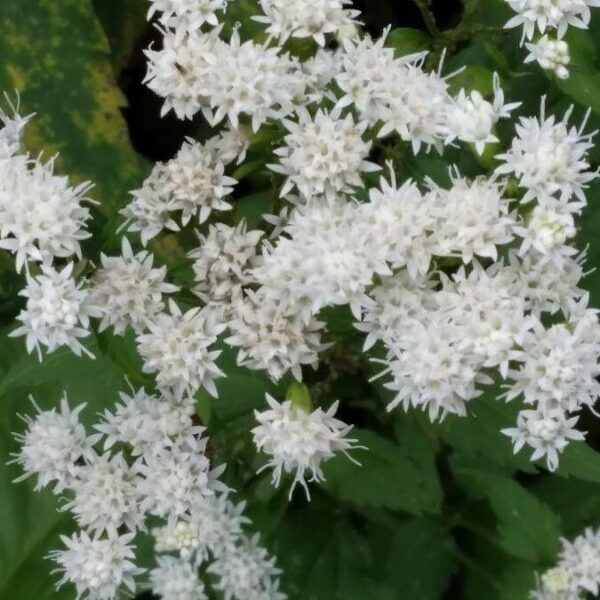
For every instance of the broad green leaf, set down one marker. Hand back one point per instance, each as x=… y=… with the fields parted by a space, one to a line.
x=421 y=560
x=577 y=503
x=580 y=461
x=57 y=56
x=323 y=556
x=407 y=41
x=526 y=528
x=124 y=22
x=473 y=78
x=389 y=475
x=478 y=435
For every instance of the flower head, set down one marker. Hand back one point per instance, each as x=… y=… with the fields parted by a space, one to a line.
x=298 y=441
x=99 y=568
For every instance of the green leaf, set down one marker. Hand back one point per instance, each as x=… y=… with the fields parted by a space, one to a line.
x=57 y=56
x=580 y=461
x=408 y=41
x=526 y=528
x=124 y=22
x=323 y=556
x=421 y=561
x=389 y=476
x=473 y=78
x=478 y=435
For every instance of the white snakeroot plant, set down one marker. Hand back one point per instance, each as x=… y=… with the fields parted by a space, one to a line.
x=454 y=283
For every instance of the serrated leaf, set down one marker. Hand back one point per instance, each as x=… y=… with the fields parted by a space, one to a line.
x=389 y=476
x=526 y=528
x=479 y=434
x=421 y=561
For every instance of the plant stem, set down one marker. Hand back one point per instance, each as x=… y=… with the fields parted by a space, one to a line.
x=425 y=7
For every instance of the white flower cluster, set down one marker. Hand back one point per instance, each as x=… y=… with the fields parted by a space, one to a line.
x=146 y=459
x=298 y=440
x=537 y=17
x=577 y=573
x=454 y=286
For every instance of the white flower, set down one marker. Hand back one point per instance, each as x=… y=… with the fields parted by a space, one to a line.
x=417 y=104
x=177 y=348
x=106 y=496
x=402 y=222
x=299 y=442
x=331 y=259
x=321 y=70
x=245 y=572
x=99 y=568
x=273 y=336
x=471 y=118
x=546 y=281
x=148 y=423
x=549 y=158
x=53 y=446
x=230 y=145
x=196 y=182
x=254 y=82
x=57 y=312
x=176 y=480
x=548 y=228
x=431 y=369
x=581 y=559
x=550 y=14
x=187 y=15
x=149 y=211
x=473 y=218
x=489 y=317
x=552 y=55
x=547 y=432
x=41 y=215
x=176 y=579
x=398 y=302
x=11 y=133
x=364 y=78
x=558 y=366
x=305 y=18
x=215 y=526
x=128 y=289
x=222 y=261
x=323 y=155
x=182 y=70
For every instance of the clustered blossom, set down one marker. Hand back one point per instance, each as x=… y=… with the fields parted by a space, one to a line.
x=128 y=290
x=193 y=183
x=111 y=491
x=454 y=285
x=290 y=18
x=577 y=572
x=545 y=23
x=57 y=311
x=298 y=441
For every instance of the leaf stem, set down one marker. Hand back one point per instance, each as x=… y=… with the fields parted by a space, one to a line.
x=425 y=7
